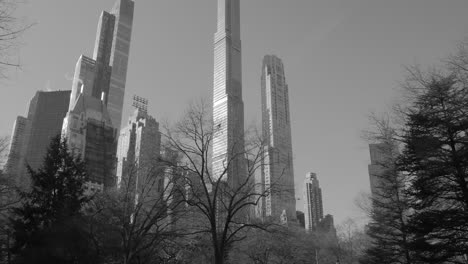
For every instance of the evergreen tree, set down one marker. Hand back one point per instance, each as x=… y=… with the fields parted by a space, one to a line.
x=388 y=227
x=46 y=227
x=435 y=158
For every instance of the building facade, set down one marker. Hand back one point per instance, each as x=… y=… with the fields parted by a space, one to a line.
x=105 y=74
x=15 y=157
x=32 y=135
x=96 y=102
x=327 y=225
x=277 y=166
x=123 y=11
x=138 y=151
x=46 y=113
x=313 y=206
x=380 y=156
x=91 y=136
x=228 y=107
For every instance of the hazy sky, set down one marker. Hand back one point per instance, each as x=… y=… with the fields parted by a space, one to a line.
x=343 y=59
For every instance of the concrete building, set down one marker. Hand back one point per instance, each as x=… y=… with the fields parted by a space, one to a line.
x=46 y=113
x=123 y=11
x=31 y=136
x=138 y=151
x=327 y=225
x=277 y=166
x=15 y=156
x=96 y=102
x=313 y=207
x=228 y=107
x=300 y=218
x=92 y=137
x=380 y=156
x=106 y=72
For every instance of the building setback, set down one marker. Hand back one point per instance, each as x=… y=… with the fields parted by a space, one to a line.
x=96 y=102
x=138 y=152
x=277 y=165
x=106 y=73
x=228 y=107
x=313 y=207
x=92 y=137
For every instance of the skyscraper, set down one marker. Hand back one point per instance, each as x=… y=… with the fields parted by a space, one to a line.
x=15 y=158
x=32 y=135
x=380 y=156
x=313 y=207
x=106 y=73
x=92 y=137
x=228 y=107
x=277 y=166
x=46 y=113
x=123 y=12
x=101 y=57
x=96 y=101
x=138 y=150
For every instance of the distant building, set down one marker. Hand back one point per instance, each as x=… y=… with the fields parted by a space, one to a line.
x=327 y=225
x=138 y=151
x=313 y=207
x=15 y=158
x=32 y=135
x=277 y=167
x=300 y=218
x=381 y=156
x=46 y=113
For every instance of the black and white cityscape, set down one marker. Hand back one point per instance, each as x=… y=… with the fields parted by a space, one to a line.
x=330 y=132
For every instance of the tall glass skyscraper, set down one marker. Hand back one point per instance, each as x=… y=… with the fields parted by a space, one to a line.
x=313 y=206
x=96 y=101
x=106 y=73
x=277 y=168
x=123 y=12
x=228 y=107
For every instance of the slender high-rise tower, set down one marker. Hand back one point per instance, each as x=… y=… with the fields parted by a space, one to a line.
x=123 y=12
x=313 y=207
x=96 y=101
x=228 y=108
x=277 y=166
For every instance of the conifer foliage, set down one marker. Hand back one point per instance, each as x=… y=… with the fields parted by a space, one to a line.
x=46 y=226
x=435 y=158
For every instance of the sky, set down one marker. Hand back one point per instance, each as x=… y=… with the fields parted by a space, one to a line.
x=343 y=60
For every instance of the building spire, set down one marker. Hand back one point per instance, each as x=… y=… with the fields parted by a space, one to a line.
x=229 y=18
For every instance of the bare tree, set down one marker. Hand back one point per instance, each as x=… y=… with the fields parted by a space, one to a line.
x=138 y=221
x=5 y=203
x=223 y=209
x=352 y=241
x=11 y=28
x=284 y=245
x=6 y=182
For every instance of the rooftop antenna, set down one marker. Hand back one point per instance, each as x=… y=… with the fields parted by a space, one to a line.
x=140 y=103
